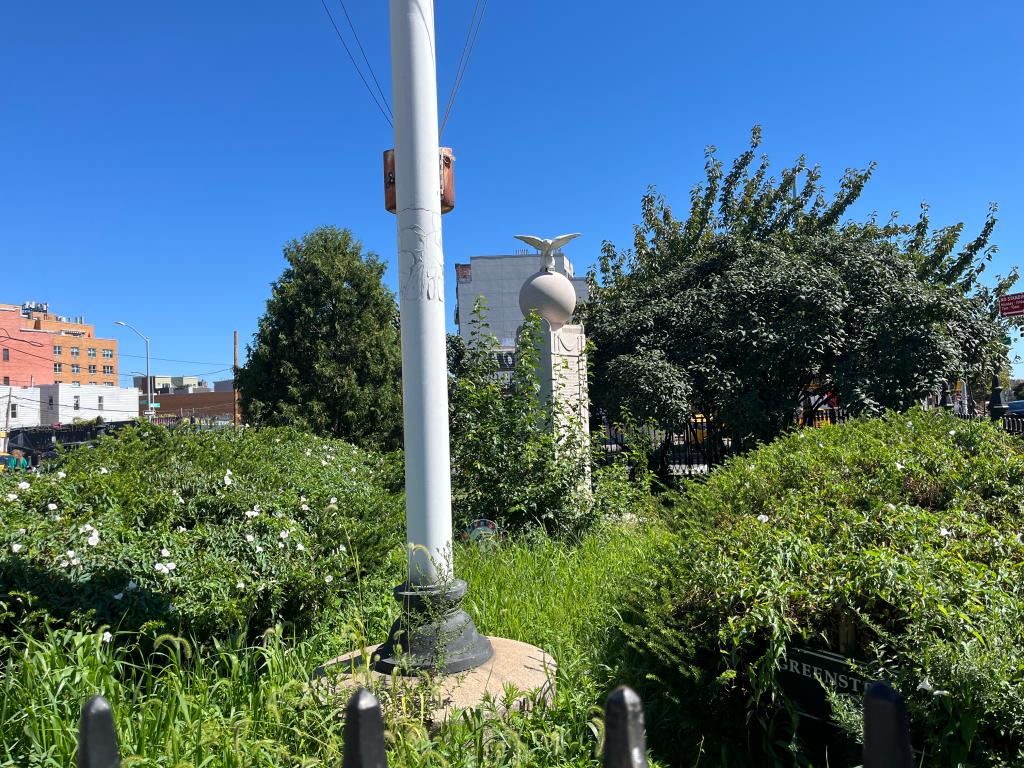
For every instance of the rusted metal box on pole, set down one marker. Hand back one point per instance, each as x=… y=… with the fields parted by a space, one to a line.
x=446 y=179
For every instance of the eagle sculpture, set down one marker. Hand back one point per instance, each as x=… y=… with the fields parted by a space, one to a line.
x=547 y=247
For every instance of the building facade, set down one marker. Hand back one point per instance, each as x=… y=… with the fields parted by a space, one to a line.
x=498 y=279
x=38 y=347
x=66 y=403
x=19 y=408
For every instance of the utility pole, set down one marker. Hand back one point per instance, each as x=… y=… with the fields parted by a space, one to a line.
x=438 y=633
x=234 y=386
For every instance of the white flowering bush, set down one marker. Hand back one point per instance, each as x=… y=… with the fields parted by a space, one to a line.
x=897 y=541
x=202 y=533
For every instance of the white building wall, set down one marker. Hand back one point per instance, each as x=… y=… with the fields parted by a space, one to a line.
x=58 y=403
x=26 y=407
x=498 y=279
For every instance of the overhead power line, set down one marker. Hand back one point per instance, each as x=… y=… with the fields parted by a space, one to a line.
x=475 y=23
x=359 y=72
x=369 y=66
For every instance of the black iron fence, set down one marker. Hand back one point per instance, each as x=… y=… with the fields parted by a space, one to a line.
x=697 y=446
x=886 y=731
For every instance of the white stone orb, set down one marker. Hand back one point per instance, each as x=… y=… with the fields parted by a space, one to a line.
x=551 y=294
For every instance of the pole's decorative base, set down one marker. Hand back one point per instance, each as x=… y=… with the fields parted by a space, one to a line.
x=433 y=634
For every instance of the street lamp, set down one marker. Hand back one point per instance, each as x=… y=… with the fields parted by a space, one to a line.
x=149 y=406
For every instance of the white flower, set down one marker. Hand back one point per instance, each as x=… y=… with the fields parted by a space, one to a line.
x=24 y=485
x=227 y=479
x=181 y=500
x=342 y=548
x=16 y=548
x=107 y=637
x=305 y=507
x=165 y=552
x=300 y=547
x=323 y=462
x=250 y=538
x=258 y=549
x=328 y=578
x=252 y=513
x=280 y=545
x=763 y=518
x=899 y=466
x=228 y=473
x=945 y=531
x=104 y=471
x=93 y=540
x=181 y=529
x=171 y=566
x=334 y=500
x=890 y=507
x=160 y=568
x=64 y=563
x=132 y=586
x=283 y=534
x=952 y=432
x=85 y=528
x=70 y=553
x=61 y=475
x=12 y=497
x=21 y=531
x=240 y=585
x=309 y=452
x=119 y=596
x=302 y=499
x=52 y=507
x=76 y=561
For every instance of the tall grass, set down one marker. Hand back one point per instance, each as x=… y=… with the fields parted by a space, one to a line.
x=239 y=705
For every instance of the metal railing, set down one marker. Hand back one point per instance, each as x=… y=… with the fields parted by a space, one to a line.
x=886 y=731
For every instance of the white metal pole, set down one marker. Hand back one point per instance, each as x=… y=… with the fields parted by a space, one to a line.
x=421 y=278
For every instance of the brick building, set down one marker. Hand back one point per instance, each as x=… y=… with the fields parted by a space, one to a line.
x=38 y=347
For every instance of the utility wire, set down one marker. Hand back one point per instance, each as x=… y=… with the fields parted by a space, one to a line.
x=475 y=23
x=172 y=360
x=355 y=34
x=354 y=64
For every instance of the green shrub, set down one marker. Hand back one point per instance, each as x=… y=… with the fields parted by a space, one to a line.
x=907 y=532
x=201 y=533
x=508 y=464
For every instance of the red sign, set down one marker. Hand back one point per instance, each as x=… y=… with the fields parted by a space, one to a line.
x=1012 y=305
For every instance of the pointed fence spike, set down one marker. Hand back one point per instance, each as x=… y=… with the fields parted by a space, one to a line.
x=364 y=732
x=886 y=732
x=97 y=739
x=625 y=742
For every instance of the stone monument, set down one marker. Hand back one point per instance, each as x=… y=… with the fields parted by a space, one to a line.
x=563 y=362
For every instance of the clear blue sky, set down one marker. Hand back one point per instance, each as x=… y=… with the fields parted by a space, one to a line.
x=154 y=157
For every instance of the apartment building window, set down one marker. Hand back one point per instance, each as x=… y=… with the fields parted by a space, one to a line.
x=108 y=353
x=99 y=403
x=92 y=367
x=76 y=383
x=78 y=402
x=76 y=368
x=58 y=349
x=50 y=404
x=7 y=381
x=108 y=369
x=13 y=408
x=91 y=351
x=92 y=382
x=108 y=383
x=74 y=351
x=58 y=367
x=7 y=354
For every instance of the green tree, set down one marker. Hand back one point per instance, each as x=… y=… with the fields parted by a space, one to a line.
x=327 y=353
x=764 y=301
